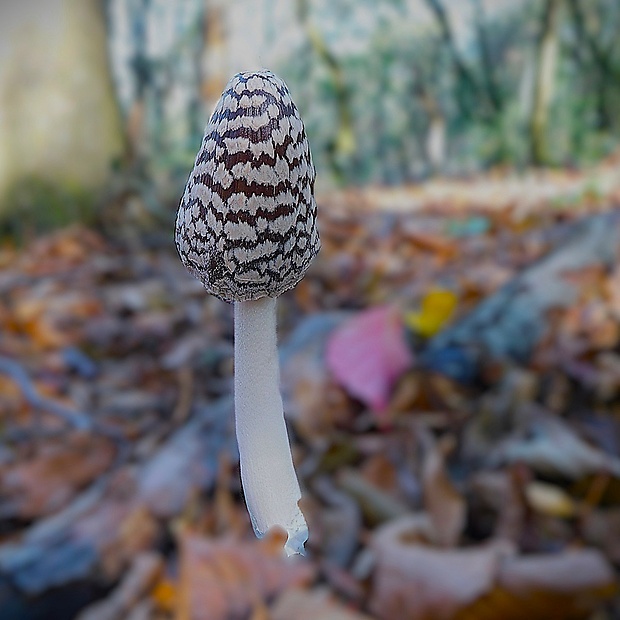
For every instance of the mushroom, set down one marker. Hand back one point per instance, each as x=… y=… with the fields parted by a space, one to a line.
x=246 y=228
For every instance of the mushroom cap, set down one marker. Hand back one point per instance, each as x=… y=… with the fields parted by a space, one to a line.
x=246 y=225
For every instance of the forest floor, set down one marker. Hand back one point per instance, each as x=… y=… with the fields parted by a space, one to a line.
x=450 y=372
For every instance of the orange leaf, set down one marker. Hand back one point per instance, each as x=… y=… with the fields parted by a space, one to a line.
x=165 y=595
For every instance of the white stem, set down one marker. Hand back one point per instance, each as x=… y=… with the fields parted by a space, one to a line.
x=269 y=482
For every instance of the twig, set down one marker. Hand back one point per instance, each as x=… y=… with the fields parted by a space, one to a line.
x=377 y=505
x=186 y=386
x=74 y=418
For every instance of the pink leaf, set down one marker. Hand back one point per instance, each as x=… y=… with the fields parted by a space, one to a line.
x=368 y=354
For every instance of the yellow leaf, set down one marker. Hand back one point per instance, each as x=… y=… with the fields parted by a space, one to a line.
x=165 y=595
x=436 y=310
x=549 y=500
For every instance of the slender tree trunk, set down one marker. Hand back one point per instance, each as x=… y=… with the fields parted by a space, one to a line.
x=589 y=47
x=467 y=90
x=544 y=84
x=436 y=143
x=435 y=138
x=343 y=145
x=214 y=53
x=489 y=77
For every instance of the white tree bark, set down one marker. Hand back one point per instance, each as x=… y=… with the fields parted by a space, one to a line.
x=59 y=121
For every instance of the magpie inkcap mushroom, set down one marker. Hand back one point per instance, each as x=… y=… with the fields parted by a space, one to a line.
x=246 y=228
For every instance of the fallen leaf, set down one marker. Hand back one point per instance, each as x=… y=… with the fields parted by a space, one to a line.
x=549 y=499
x=226 y=579
x=549 y=446
x=413 y=581
x=98 y=534
x=310 y=396
x=310 y=605
x=440 y=245
x=164 y=595
x=376 y=504
x=187 y=462
x=444 y=504
x=49 y=480
x=145 y=569
x=50 y=317
x=572 y=572
x=336 y=522
x=30 y=317
x=61 y=250
x=368 y=354
x=495 y=497
x=436 y=309
x=602 y=528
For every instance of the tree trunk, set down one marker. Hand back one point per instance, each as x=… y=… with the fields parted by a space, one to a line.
x=343 y=146
x=544 y=84
x=60 y=126
x=214 y=54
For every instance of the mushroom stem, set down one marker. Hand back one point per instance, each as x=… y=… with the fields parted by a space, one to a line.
x=269 y=481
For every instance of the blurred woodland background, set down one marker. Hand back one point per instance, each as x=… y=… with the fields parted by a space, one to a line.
x=392 y=92
x=450 y=364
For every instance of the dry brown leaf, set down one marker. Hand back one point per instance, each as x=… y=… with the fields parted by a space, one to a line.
x=442 y=246
x=143 y=610
x=444 y=504
x=164 y=596
x=310 y=605
x=11 y=398
x=136 y=532
x=48 y=481
x=497 y=502
x=589 y=279
x=413 y=581
x=30 y=318
x=335 y=522
x=49 y=316
x=549 y=446
x=145 y=569
x=61 y=250
x=312 y=400
x=407 y=393
x=376 y=505
x=571 y=572
x=602 y=529
x=118 y=530
x=226 y=579
x=379 y=470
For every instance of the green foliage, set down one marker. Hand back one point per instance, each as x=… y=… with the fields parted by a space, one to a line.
x=389 y=97
x=36 y=205
x=408 y=76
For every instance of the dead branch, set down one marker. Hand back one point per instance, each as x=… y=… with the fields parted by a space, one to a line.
x=509 y=324
x=76 y=419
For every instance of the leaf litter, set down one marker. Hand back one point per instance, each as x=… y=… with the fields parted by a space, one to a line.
x=450 y=370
